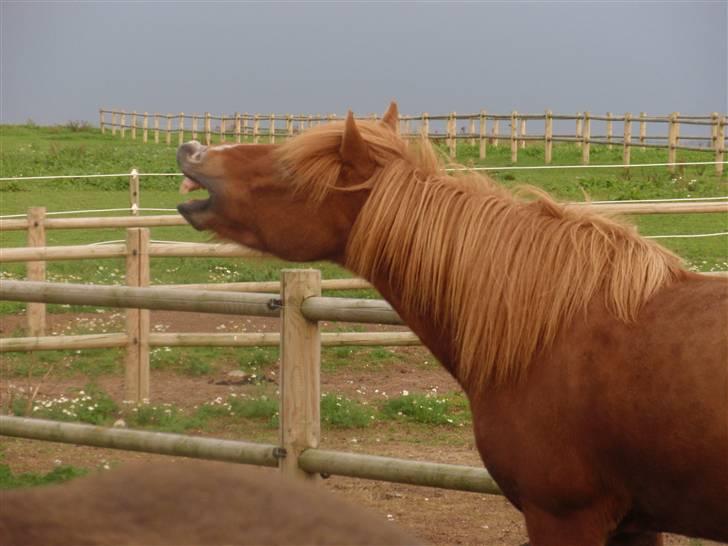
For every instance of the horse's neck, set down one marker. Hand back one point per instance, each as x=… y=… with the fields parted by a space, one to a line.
x=437 y=339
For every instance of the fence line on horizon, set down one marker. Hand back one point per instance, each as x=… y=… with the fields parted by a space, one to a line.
x=482 y=129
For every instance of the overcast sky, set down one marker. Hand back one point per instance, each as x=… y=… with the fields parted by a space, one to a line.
x=64 y=60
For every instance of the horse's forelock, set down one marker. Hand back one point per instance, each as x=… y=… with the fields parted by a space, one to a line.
x=312 y=162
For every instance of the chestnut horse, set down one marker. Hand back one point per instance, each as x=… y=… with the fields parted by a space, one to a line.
x=596 y=366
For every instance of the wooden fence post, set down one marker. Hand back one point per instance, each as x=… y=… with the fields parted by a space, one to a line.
x=523 y=133
x=133 y=125
x=672 y=141
x=548 y=145
x=408 y=127
x=471 y=130
x=300 y=409
x=627 y=145
x=643 y=128
x=156 y=128
x=720 y=122
x=272 y=129
x=181 y=128
x=677 y=129
x=289 y=125
x=245 y=124
x=122 y=124
x=585 y=148
x=222 y=127
x=496 y=132
x=145 y=127
x=453 y=134
x=578 y=129
x=136 y=375
x=482 y=132
x=194 y=126
x=514 y=134
x=36 y=271
x=256 y=128
x=134 y=192
x=609 y=130
x=208 y=129
x=168 y=136
x=237 y=127
x=425 y=125
x=101 y=122
x=113 y=123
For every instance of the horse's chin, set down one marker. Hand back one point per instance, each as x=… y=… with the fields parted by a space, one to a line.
x=195 y=212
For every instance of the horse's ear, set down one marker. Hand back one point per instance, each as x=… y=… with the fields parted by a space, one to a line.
x=391 y=117
x=354 y=149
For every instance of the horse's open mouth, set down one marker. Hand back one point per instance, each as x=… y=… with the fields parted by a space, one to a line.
x=191 y=210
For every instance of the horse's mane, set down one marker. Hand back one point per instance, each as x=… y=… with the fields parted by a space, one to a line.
x=501 y=272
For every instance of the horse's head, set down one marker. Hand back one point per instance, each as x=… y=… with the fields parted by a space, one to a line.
x=298 y=200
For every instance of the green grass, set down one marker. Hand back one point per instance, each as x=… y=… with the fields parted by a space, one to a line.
x=260 y=407
x=88 y=405
x=340 y=412
x=161 y=417
x=429 y=408
x=60 y=474
x=88 y=362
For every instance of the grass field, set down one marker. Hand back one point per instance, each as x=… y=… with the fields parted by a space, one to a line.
x=37 y=151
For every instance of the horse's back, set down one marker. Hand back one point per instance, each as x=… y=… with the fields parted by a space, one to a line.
x=187 y=503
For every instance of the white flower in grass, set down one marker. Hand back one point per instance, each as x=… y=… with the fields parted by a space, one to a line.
x=405 y=393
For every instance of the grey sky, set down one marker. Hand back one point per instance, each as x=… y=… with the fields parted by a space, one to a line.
x=64 y=60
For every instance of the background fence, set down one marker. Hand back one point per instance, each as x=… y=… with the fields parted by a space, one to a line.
x=707 y=132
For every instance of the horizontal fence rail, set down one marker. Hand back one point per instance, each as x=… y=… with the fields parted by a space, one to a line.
x=80 y=252
x=314 y=461
x=270 y=339
x=349 y=310
x=370 y=467
x=167 y=299
x=200 y=301
x=136 y=440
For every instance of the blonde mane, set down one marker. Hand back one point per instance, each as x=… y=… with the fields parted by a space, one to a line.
x=501 y=273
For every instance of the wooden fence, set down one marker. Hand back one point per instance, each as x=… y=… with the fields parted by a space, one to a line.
x=138 y=339
x=482 y=129
x=297 y=453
